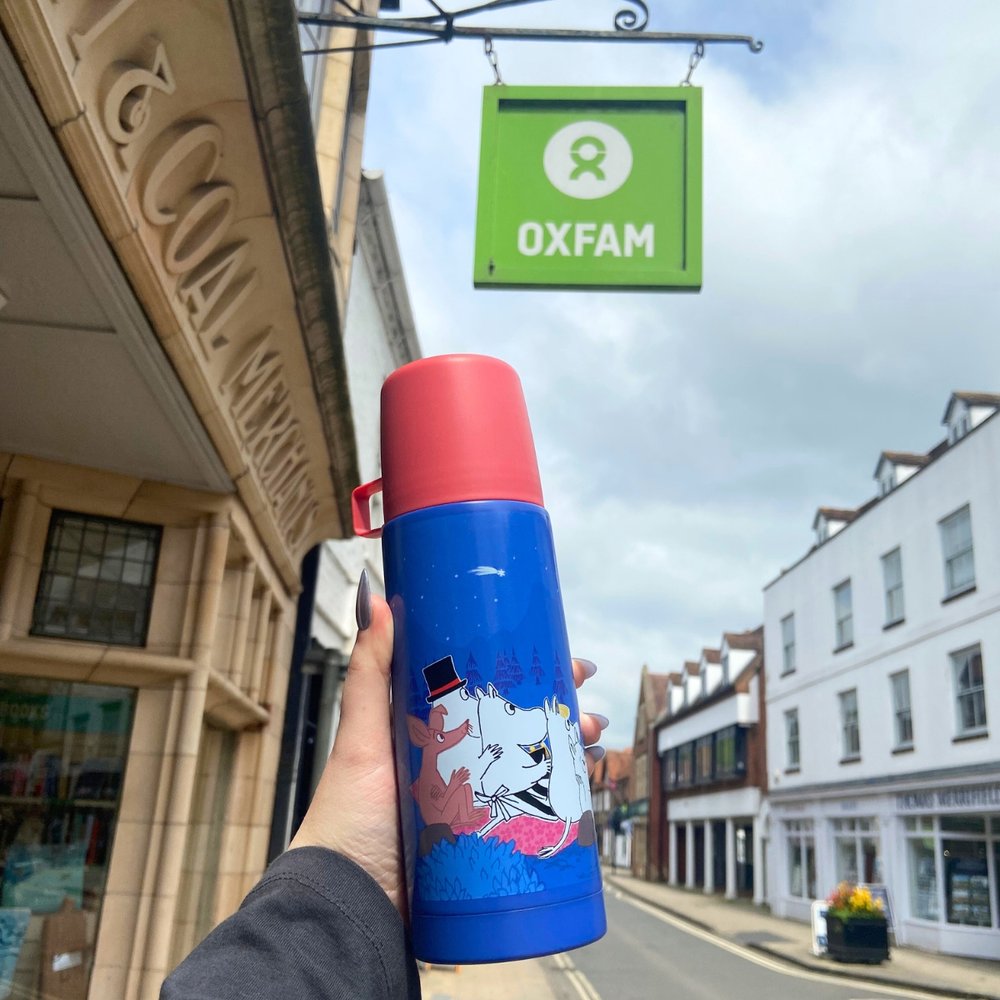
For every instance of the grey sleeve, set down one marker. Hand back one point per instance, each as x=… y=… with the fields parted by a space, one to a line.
x=316 y=927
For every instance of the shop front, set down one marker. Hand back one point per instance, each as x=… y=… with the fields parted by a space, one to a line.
x=175 y=435
x=934 y=846
x=716 y=842
x=63 y=748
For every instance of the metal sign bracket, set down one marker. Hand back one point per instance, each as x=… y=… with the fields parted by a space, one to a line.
x=443 y=26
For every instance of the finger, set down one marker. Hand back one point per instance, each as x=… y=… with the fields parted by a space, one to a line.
x=582 y=670
x=591 y=727
x=593 y=755
x=364 y=712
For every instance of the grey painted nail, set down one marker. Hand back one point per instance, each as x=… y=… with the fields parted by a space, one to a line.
x=363 y=607
x=602 y=720
x=589 y=668
x=596 y=752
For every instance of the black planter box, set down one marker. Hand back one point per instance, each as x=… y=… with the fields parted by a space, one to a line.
x=857 y=939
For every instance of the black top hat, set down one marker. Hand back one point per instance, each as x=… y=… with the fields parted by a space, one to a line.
x=441 y=677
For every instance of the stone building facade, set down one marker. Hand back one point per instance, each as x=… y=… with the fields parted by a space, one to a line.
x=175 y=434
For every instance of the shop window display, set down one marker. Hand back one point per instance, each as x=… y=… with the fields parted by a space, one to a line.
x=966 y=882
x=949 y=866
x=923 y=878
x=801 y=859
x=62 y=753
x=857 y=850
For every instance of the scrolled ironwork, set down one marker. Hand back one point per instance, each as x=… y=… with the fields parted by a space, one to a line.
x=631 y=20
x=443 y=26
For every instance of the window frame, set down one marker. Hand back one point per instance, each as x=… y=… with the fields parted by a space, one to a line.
x=788 y=664
x=959 y=659
x=801 y=833
x=850 y=725
x=55 y=558
x=857 y=831
x=949 y=558
x=901 y=712
x=889 y=588
x=685 y=765
x=704 y=759
x=793 y=738
x=843 y=625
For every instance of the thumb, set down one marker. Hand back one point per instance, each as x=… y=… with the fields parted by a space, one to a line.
x=364 y=711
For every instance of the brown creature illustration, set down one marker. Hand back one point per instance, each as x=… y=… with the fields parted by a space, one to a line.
x=440 y=802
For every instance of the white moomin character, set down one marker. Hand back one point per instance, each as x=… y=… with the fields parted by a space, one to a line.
x=569 y=783
x=513 y=782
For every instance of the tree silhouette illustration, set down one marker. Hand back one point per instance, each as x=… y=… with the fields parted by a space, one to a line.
x=536 y=665
x=561 y=692
x=514 y=667
x=473 y=677
x=502 y=678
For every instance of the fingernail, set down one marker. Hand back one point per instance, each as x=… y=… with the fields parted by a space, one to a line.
x=589 y=668
x=602 y=720
x=363 y=607
x=596 y=752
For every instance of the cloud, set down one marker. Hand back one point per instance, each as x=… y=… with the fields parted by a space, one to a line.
x=850 y=285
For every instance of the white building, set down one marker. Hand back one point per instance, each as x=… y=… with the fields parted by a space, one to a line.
x=882 y=647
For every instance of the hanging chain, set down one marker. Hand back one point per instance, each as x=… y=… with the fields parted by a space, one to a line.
x=494 y=62
x=696 y=57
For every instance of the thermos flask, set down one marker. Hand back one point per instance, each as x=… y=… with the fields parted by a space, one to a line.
x=498 y=827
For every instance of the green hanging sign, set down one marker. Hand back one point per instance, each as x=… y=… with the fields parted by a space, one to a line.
x=590 y=187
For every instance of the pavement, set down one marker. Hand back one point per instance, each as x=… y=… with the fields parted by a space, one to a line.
x=738 y=921
x=503 y=981
x=743 y=923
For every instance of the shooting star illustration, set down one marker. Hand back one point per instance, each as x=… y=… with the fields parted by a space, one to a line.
x=488 y=571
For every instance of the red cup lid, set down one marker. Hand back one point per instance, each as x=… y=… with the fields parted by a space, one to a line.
x=454 y=428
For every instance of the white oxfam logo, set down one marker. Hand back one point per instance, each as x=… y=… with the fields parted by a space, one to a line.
x=587 y=160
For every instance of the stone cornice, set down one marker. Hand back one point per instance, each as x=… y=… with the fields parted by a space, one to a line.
x=271 y=58
x=155 y=118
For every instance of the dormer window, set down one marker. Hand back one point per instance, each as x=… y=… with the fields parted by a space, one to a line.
x=966 y=411
x=895 y=467
x=830 y=520
x=725 y=667
x=959 y=429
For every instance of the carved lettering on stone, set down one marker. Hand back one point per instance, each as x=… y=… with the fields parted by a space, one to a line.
x=179 y=192
x=254 y=372
x=103 y=15
x=274 y=423
x=188 y=155
x=204 y=217
x=213 y=291
x=125 y=105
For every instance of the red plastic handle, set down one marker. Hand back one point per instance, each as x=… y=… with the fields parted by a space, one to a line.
x=361 y=509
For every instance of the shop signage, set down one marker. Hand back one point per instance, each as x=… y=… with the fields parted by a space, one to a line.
x=959 y=797
x=177 y=147
x=590 y=188
x=59 y=713
x=880 y=891
x=817 y=914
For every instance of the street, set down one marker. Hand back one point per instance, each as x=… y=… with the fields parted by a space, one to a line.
x=647 y=954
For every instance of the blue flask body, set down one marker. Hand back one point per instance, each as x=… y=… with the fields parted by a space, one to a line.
x=498 y=826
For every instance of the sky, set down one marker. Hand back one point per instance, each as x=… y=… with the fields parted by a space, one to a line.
x=851 y=261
